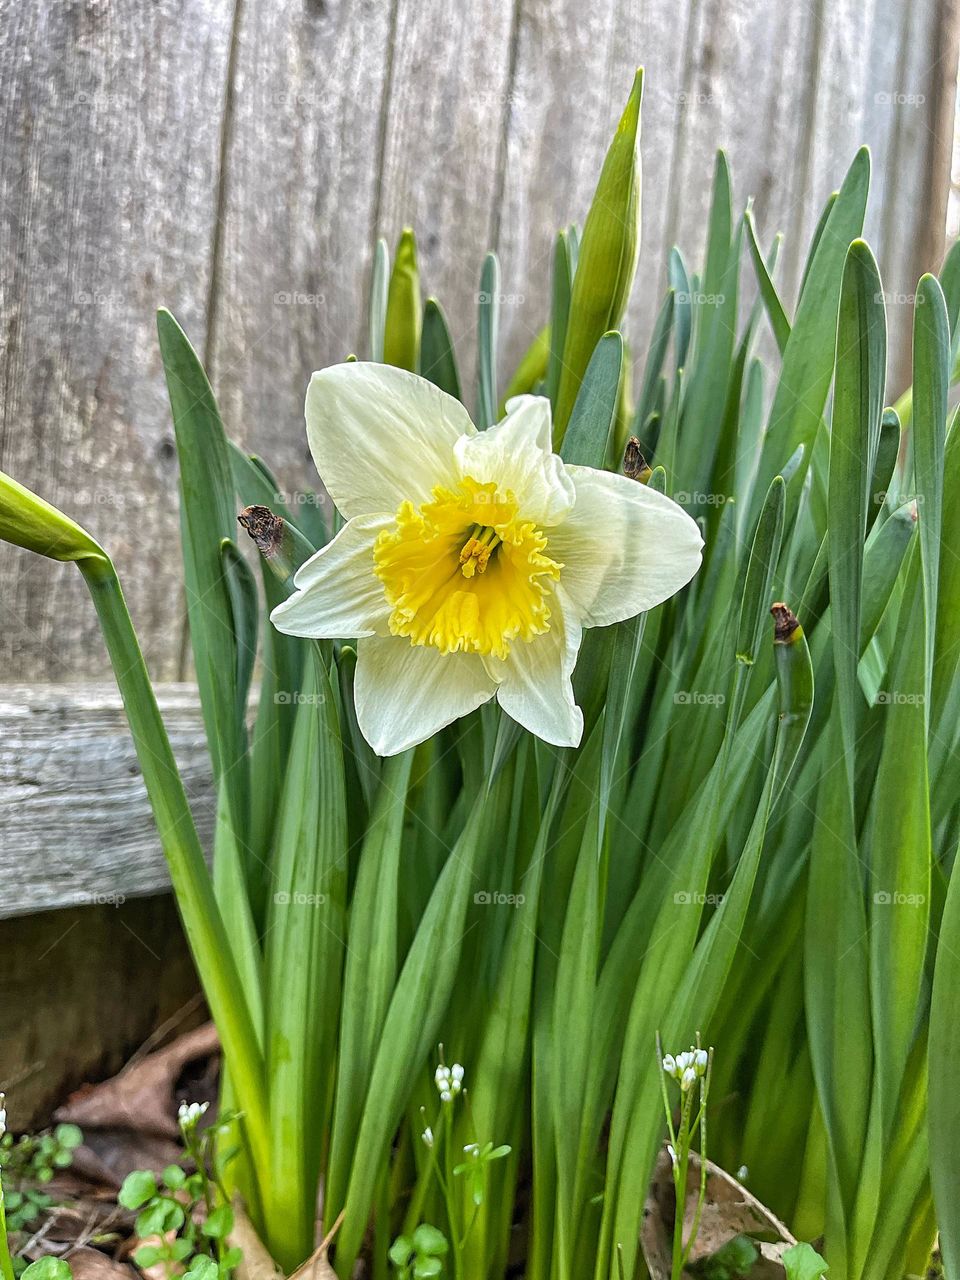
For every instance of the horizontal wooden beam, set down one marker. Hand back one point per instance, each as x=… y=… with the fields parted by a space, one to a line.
x=75 y=824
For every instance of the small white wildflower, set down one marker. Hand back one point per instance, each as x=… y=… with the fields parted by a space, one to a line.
x=427 y=1137
x=3 y=1114
x=190 y=1112
x=743 y=1173
x=670 y=1065
x=673 y=1154
x=449 y=1081
x=684 y=1060
x=688 y=1079
x=472 y=1149
x=700 y=1059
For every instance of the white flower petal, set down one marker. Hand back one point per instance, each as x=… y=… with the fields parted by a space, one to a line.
x=338 y=593
x=381 y=435
x=624 y=547
x=517 y=455
x=405 y=693
x=534 y=685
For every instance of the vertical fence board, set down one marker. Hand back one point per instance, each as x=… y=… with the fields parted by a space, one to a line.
x=443 y=129
x=235 y=162
x=109 y=158
x=298 y=195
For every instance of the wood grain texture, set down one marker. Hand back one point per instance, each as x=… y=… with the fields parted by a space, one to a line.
x=81 y=989
x=236 y=160
x=789 y=91
x=297 y=210
x=450 y=91
x=77 y=829
x=109 y=159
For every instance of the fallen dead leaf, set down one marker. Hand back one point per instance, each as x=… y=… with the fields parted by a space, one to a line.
x=257 y=1263
x=91 y=1264
x=316 y=1266
x=729 y=1210
x=141 y=1097
x=108 y=1155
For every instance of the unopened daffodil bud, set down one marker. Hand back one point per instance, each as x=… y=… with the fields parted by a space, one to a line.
x=26 y=520
x=607 y=261
x=401 y=337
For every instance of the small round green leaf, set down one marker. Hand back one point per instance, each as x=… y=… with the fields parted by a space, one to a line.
x=48 y=1269
x=69 y=1136
x=219 y=1223
x=138 y=1187
x=427 y=1239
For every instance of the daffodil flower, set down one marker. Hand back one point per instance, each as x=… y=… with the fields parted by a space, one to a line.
x=470 y=562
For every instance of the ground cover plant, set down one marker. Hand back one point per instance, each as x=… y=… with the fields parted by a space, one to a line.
x=454 y=904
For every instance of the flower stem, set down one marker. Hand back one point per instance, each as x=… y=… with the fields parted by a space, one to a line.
x=6 y=1262
x=192 y=884
x=680 y=1186
x=702 y=1194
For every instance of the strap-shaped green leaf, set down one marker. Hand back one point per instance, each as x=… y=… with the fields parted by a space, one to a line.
x=594 y=416
x=488 y=327
x=857 y=406
x=438 y=360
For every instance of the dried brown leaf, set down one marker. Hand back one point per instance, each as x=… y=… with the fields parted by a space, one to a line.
x=257 y=1263
x=91 y=1264
x=729 y=1210
x=141 y=1097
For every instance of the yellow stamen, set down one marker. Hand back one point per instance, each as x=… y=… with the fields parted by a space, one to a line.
x=465 y=573
x=477 y=550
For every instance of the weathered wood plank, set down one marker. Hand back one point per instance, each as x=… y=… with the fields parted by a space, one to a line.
x=450 y=89
x=77 y=829
x=574 y=68
x=109 y=156
x=83 y=988
x=299 y=190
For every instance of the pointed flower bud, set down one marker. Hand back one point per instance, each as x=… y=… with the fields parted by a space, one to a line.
x=28 y=521
x=401 y=337
x=607 y=261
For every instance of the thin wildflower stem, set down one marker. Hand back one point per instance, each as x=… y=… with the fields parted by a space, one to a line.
x=702 y=1124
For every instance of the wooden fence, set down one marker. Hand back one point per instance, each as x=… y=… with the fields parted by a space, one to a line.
x=235 y=160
